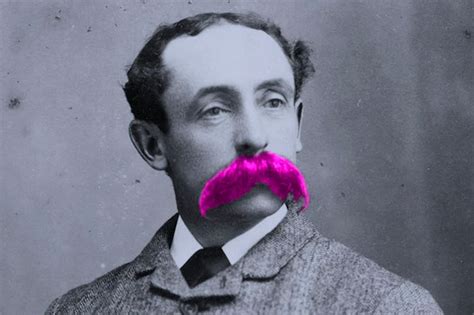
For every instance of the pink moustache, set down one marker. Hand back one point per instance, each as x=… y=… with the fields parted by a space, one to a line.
x=279 y=174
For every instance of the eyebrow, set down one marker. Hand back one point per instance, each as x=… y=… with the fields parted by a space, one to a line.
x=217 y=89
x=278 y=84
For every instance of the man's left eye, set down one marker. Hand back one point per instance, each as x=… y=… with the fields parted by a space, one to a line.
x=214 y=112
x=275 y=103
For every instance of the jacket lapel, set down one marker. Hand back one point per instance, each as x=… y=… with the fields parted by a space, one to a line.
x=262 y=261
x=156 y=260
x=277 y=248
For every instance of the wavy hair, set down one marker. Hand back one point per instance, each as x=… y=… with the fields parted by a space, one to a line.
x=148 y=77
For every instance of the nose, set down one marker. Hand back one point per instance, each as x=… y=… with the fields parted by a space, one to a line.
x=250 y=137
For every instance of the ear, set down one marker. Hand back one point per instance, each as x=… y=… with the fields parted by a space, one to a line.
x=148 y=140
x=299 y=115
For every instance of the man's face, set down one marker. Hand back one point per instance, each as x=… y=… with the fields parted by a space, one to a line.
x=231 y=92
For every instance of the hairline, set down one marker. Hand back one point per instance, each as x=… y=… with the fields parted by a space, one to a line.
x=148 y=76
x=170 y=72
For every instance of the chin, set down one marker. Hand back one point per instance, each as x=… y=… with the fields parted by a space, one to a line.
x=259 y=203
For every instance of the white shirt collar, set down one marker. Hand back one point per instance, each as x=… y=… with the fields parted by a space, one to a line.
x=184 y=245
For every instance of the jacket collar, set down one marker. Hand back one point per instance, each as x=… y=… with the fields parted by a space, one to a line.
x=263 y=261
x=276 y=249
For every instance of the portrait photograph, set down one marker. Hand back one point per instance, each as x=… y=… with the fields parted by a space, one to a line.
x=236 y=157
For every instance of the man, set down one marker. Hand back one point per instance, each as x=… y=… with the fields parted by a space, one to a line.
x=216 y=100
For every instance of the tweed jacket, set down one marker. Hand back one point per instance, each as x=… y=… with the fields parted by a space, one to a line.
x=292 y=270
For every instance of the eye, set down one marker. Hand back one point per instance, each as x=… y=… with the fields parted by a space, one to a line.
x=275 y=103
x=214 y=111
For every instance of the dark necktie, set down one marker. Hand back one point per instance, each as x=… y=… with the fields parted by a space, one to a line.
x=204 y=264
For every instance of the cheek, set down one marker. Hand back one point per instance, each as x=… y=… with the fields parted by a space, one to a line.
x=186 y=153
x=195 y=157
x=283 y=138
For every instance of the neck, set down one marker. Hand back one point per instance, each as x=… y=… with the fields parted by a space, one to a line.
x=210 y=233
x=217 y=229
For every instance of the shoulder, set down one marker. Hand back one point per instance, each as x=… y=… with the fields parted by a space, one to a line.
x=115 y=288
x=408 y=297
x=84 y=298
x=356 y=282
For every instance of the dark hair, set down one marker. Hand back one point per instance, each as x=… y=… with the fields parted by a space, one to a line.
x=148 y=78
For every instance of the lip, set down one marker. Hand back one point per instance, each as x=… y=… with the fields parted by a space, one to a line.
x=252 y=203
x=253 y=179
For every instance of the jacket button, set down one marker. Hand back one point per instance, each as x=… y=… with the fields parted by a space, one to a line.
x=223 y=282
x=188 y=308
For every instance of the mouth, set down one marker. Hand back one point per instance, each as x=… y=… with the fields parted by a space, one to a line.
x=256 y=203
x=251 y=177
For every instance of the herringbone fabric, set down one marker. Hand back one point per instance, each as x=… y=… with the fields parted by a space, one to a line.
x=292 y=270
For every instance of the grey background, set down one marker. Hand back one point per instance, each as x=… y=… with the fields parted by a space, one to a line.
x=388 y=138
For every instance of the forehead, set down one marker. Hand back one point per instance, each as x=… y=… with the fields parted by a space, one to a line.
x=227 y=54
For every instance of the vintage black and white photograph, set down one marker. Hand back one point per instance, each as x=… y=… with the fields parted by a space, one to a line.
x=236 y=157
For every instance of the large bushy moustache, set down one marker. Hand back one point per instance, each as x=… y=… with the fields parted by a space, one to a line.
x=279 y=174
